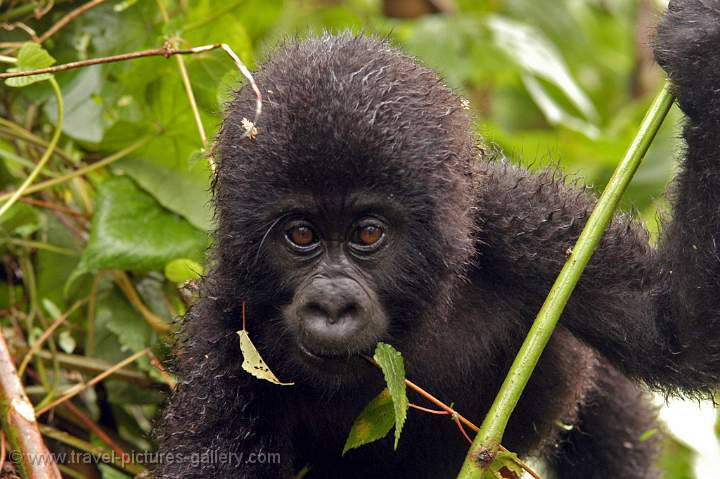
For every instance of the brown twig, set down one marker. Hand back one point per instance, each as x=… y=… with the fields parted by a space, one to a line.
x=53 y=206
x=35 y=347
x=20 y=424
x=459 y=418
x=95 y=429
x=78 y=388
x=123 y=282
x=166 y=51
x=462 y=429
x=251 y=130
x=67 y=19
x=169 y=380
x=428 y=410
x=91 y=365
x=3 y=451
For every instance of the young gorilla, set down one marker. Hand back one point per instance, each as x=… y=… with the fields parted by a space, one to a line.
x=365 y=211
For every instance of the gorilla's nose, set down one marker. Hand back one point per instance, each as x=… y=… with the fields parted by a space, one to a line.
x=332 y=312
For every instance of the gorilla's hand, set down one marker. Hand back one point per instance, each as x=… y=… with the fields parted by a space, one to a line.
x=688 y=48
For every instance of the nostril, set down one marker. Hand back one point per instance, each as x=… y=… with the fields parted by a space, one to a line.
x=346 y=313
x=315 y=310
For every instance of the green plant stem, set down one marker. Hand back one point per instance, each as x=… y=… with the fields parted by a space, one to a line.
x=35 y=347
x=43 y=246
x=46 y=156
x=13 y=130
x=92 y=365
x=10 y=156
x=488 y=439
x=80 y=171
x=85 y=385
x=102 y=454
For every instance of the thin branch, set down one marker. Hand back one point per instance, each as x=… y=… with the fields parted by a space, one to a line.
x=17 y=131
x=101 y=454
x=166 y=51
x=428 y=410
x=53 y=206
x=193 y=103
x=43 y=246
x=455 y=415
x=124 y=283
x=35 y=347
x=20 y=424
x=169 y=380
x=90 y=326
x=78 y=388
x=251 y=129
x=81 y=171
x=95 y=429
x=67 y=19
x=187 y=85
x=462 y=430
x=91 y=365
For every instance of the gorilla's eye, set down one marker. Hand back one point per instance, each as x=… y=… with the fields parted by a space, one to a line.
x=370 y=234
x=302 y=237
x=367 y=236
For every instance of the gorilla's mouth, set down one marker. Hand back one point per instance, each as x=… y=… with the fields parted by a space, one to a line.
x=332 y=362
x=326 y=355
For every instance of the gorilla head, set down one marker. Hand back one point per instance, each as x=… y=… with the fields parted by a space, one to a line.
x=350 y=214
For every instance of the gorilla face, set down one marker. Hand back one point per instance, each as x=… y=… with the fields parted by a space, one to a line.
x=332 y=254
x=349 y=216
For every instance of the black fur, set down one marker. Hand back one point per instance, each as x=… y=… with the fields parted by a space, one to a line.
x=482 y=241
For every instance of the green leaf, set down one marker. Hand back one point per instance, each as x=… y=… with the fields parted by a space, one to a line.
x=163 y=167
x=393 y=368
x=51 y=308
x=21 y=220
x=541 y=60
x=130 y=231
x=66 y=342
x=373 y=423
x=649 y=434
x=676 y=459
x=119 y=329
x=53 y=269
x=30 y=57
x=182 y=270
x=86 y=117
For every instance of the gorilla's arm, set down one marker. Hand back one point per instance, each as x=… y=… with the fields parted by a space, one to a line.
x=214 y=425
x=654 y=313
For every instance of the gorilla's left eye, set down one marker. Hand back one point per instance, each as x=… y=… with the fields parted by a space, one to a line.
x=302 y=237
x=367 y=236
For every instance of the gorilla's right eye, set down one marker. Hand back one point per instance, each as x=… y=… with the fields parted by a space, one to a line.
x=302 y=237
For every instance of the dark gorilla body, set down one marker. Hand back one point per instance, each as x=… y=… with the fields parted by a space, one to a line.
x=364 y=211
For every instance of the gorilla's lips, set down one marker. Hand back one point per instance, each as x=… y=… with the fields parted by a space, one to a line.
x=335 y=363
x=323 y=355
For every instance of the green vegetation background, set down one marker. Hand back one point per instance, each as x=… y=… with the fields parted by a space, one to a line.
x=551 y=82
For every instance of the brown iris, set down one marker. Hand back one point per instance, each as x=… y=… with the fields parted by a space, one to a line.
x=302 y=236
x=369 y=235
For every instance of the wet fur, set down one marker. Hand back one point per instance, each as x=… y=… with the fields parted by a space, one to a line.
x=485 y=241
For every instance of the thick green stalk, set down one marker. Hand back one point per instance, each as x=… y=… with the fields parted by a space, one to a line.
x=485 y=445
